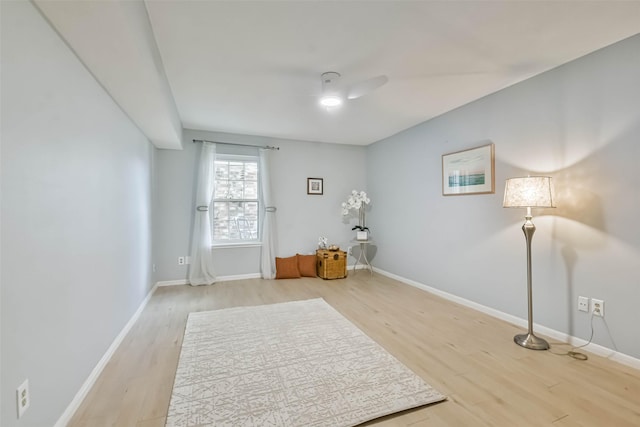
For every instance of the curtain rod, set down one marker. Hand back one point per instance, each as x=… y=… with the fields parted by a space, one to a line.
x=266 y=147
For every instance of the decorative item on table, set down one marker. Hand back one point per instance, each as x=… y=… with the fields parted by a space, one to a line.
x=357 y=201
x=322 y=242
x=334 y=248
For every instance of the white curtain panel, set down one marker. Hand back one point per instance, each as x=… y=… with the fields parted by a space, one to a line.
x=201 y=271
x=267 y=255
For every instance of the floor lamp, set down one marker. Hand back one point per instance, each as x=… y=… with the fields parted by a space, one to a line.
x=529 y=192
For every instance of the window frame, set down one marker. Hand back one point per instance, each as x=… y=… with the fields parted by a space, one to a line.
x=237 y=242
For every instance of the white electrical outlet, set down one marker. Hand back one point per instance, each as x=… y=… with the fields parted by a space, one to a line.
x=597 y=307
x=180 y=260
x=583 y=304
x=23 y=399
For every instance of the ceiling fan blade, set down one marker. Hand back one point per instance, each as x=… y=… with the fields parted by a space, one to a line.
x=367 y=86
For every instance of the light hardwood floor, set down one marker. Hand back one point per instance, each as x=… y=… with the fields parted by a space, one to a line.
x=467 y=355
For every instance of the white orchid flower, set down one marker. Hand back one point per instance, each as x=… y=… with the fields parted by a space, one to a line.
x=355 y=201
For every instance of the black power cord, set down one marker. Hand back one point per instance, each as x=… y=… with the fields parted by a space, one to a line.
x=576 y=354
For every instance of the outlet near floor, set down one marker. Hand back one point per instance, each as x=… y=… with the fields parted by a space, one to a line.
x=597 y=307
x=583 y=304
x=23 y=399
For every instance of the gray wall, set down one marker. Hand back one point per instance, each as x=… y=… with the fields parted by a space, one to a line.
x=579 y=123
x=78 y=181
x=300 y=218
x=76 y=219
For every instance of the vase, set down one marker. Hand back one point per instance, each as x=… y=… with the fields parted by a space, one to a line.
x=361 y=222
x=362 y=232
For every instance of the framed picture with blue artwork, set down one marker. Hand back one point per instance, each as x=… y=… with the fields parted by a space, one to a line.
x=470 y=171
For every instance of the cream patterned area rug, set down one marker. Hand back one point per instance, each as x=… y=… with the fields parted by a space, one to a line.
x=292 y=364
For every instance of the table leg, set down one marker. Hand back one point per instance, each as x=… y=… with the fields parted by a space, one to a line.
x=363 y=251
x=363 y=255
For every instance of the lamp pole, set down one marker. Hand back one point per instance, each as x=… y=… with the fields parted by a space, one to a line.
x=529 y=340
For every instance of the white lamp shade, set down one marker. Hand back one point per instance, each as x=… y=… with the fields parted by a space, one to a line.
x=529 y=192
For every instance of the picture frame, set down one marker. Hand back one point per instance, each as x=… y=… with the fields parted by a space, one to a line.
x=315 y=186
x=470 y=171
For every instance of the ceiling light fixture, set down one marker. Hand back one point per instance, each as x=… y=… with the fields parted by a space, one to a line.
x=330 y=101
x=331 y=96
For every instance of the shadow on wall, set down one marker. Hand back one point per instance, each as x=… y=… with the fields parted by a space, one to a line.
x=370 y=251
x=595 y=193
x=596 y=198
x=599 y=193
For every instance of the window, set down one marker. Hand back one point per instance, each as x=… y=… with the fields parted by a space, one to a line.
x=235 y=202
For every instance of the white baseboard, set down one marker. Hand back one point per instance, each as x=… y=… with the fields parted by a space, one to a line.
x=560 y=336
x=218 y=279
x=95 y=373
x=172 y=282
x=239 y=277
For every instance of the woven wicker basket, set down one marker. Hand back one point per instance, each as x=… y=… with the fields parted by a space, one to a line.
x=331 y=264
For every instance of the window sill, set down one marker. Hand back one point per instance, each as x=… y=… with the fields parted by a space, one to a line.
x=236 y=245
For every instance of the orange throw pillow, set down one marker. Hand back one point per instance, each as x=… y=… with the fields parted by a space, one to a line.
x=307 y=265
x=287 y=268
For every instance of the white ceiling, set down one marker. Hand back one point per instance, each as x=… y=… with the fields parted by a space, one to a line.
x=253 y=67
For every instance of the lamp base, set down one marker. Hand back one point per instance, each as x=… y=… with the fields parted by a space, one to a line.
x=531 y=342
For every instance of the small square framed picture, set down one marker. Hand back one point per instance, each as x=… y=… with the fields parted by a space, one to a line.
x=314 y=186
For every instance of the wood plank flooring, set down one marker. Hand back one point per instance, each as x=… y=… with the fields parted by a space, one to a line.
x=467 y=355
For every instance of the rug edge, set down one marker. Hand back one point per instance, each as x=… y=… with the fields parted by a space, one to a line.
x=322 y=302
x=199 y=313
x=442 y=398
